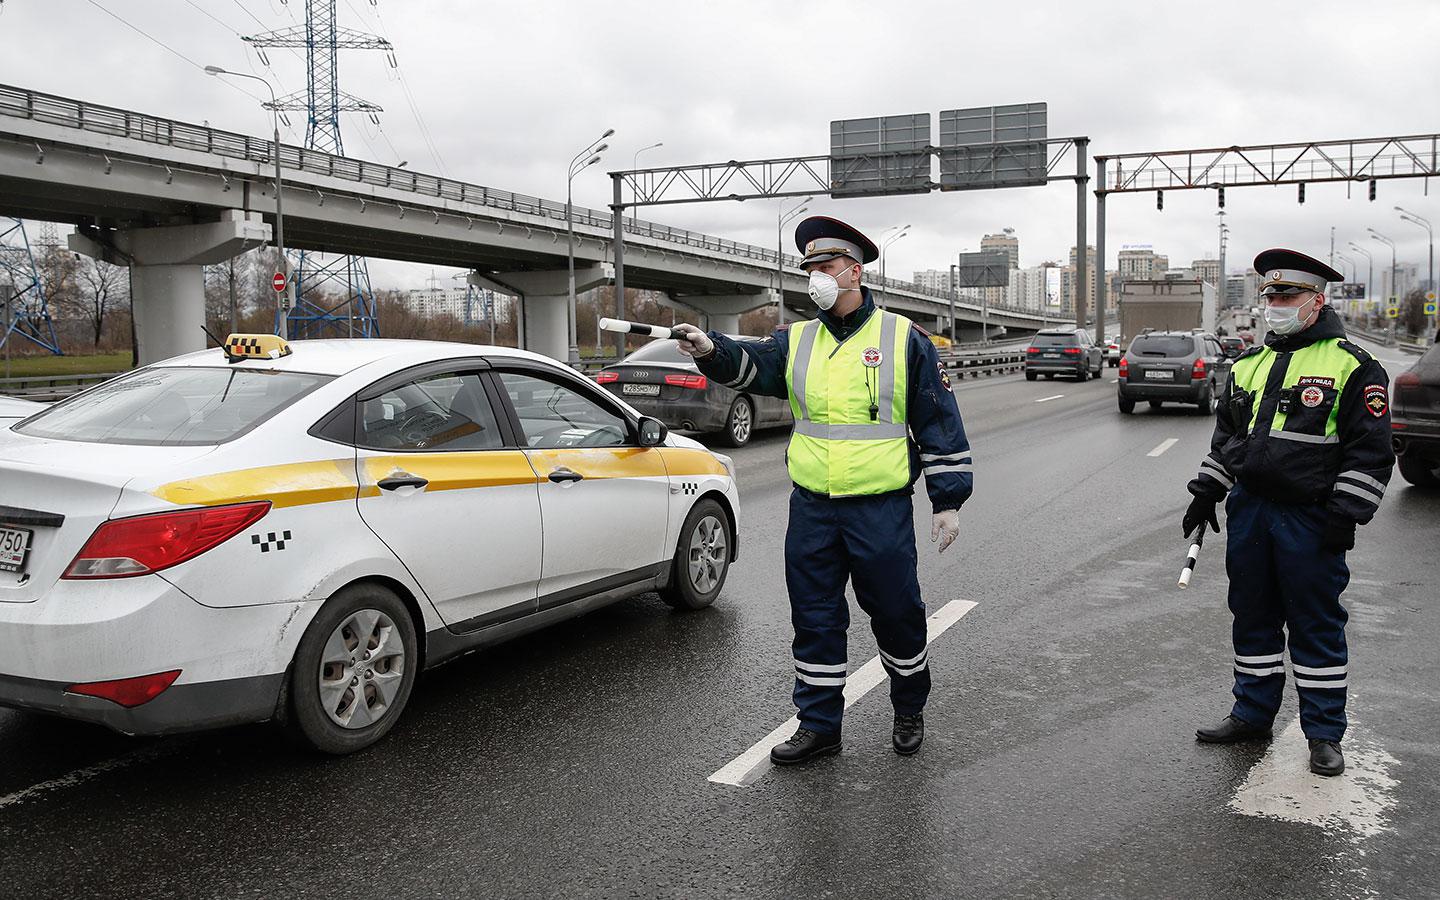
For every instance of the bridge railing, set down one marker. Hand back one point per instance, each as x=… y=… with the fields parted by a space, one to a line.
x=56 y=110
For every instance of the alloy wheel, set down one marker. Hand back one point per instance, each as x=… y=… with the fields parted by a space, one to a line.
x=707 y=554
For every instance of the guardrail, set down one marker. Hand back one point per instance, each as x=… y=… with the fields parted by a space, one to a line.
x=22 y=103
x=44 y=388
x=977 y=364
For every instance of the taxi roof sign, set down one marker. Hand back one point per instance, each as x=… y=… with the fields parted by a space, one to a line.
x=255 y=346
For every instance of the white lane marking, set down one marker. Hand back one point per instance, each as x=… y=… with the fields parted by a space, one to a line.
x=1164 y=445
x=1281 y=786
x=78 y=776
x=1048 y=399
x=750 y=765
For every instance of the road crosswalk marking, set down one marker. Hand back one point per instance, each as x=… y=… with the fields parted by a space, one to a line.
x=750 y=765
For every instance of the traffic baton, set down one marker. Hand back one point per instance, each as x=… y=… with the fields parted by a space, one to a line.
x=620 y=326
x=1190 y=560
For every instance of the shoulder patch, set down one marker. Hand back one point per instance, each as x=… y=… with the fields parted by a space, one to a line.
x=945 y=377
x=923 y=333
x=1354 y=350
x=1257 y=348
x=1376 y=399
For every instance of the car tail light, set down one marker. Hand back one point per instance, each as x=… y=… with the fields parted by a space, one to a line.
x=694 y=382
x=1072 y=351
x=606 y=377
x=1197 y=372
x=1124 y=367
x=1032 y=349
x=128 y=692
x=1407 y=379
x=1397 y=426
x=139 y=545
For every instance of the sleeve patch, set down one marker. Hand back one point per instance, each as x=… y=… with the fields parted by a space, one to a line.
x=1376 y=400
x=945 y=377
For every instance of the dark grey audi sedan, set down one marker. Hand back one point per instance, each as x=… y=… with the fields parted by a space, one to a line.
x=660 y=381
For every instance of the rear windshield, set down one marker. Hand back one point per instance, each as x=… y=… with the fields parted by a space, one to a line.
x=173 y=407
x=666 y=351
x=1054 y=340
x=1162 y=345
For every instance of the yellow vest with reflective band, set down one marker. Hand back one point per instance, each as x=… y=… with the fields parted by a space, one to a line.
x=836 y=447
x=1324 y=359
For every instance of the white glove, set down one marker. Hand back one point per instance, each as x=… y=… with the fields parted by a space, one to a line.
x=692 y=341
x=946 y=527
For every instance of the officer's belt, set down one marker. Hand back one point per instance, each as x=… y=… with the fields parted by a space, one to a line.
x=880 y=431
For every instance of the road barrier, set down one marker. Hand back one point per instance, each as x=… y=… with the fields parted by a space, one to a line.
x=983 y=363
x=46 y=388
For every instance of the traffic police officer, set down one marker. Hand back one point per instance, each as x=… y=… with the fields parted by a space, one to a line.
x=1302 y=448
x=873 y=408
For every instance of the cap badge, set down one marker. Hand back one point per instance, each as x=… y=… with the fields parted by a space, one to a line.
x=872 y=357
x=1275 y=274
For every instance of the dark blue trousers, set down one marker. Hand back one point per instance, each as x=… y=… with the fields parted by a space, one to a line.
x=1282 y=580
x=871 y=542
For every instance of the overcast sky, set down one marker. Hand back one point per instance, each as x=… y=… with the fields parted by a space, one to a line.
x=510 y=91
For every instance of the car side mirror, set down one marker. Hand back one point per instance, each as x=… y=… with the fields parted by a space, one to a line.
x=652 y=432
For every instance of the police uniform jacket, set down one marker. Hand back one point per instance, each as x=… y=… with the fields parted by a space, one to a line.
x=937 y=435
x=1348 y=476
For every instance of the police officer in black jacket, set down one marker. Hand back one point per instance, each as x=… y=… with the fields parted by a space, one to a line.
x=1302 y=449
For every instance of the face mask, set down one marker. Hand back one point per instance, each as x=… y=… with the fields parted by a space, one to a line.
x=1285 y=320
x=824 y=289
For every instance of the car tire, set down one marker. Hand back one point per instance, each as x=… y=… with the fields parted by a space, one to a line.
x=1419 y=472
x=332 y=661
x=1083 y=375
x=702 y=558
x=1031 y=376
x=1127 y=406
x=739 y=422
x=1206 y=403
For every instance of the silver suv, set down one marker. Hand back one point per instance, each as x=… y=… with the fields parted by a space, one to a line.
x=1175 y=367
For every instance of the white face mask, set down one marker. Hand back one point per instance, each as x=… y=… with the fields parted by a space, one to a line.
x=824 y=289
x=1285 y=320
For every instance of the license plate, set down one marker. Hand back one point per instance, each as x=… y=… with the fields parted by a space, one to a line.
x=1051 y=355
x=644 y=390
x=1161 y=375
x=14 y=546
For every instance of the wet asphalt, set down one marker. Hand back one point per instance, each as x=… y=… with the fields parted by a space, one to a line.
x=1060 y=759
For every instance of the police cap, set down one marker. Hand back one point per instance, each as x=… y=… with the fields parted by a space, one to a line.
x=820 y=238
x=1290 y=272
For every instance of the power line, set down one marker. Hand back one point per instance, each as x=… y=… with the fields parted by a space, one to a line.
x=425 y=134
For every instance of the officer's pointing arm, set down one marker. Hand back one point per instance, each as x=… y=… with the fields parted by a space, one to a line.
x=936 y=426
x=752 y=367
x=1366 y=456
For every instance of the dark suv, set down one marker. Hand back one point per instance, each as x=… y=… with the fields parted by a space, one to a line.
x=1415 y=420
x=1173 y=366
x=1063 y=351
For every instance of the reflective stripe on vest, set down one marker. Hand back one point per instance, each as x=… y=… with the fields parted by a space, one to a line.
x=836 y=448
x=1322 y=361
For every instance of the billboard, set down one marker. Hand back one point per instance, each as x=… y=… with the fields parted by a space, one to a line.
x=881 y=155
x=988 y=268
x=1348 y=290
x=993 y=146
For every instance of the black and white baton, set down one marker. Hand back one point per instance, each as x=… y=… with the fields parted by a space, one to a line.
x=1190 y=560
x=621 y=326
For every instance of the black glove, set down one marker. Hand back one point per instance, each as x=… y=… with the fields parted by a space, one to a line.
x=1338 y=535
x=1202 y=509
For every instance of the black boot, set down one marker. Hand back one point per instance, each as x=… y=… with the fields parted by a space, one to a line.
x=1232 y=730
x=1326 y=758
x=909 y=733
x=803 y=745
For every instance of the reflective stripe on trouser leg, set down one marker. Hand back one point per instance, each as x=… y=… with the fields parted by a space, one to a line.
x=880 y=540
x=1311 y=587
x=1258 y=629
x=816 y=567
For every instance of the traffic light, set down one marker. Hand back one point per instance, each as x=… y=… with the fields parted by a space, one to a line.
x=1302 y=192
x=1159 y=199
x=1372 y=189
x=1222 y=197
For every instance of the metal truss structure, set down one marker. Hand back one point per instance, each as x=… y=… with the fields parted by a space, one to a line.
x=1312 y=162
x=23 y=309
x=314 y=315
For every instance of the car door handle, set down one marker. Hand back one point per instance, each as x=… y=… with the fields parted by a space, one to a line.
x=401 y=479
x=563 y=474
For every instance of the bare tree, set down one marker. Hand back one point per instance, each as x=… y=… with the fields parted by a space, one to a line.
x=102 y=287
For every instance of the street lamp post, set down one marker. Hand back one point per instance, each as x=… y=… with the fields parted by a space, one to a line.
x=1369 y=278
x=593 y=151
x=1395 y=290
x=281 y=299
x=885 y=243
x=1424 y=223
x=635 y=164
x=782 y=217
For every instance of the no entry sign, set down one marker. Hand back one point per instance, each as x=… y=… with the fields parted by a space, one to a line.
x=278 y=282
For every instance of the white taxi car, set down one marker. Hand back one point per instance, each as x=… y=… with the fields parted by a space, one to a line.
x=13 y=409
x=293 y=532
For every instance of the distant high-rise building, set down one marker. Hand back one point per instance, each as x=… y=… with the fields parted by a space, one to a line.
x=1068 y=279
x=1138 y=263
x=452 y=301
x=1207 y=270
x=937 y=280
x=1027 y=288
x=1007 y=243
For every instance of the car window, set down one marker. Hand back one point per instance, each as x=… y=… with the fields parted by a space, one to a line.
x=180 y=406
x=1053 y=340
x=1163 y=345
x=554 y=415
x=443 y=411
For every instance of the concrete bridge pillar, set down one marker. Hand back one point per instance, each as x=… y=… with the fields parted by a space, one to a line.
x=167 y=277
x=722 y=311
x=545 y=303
